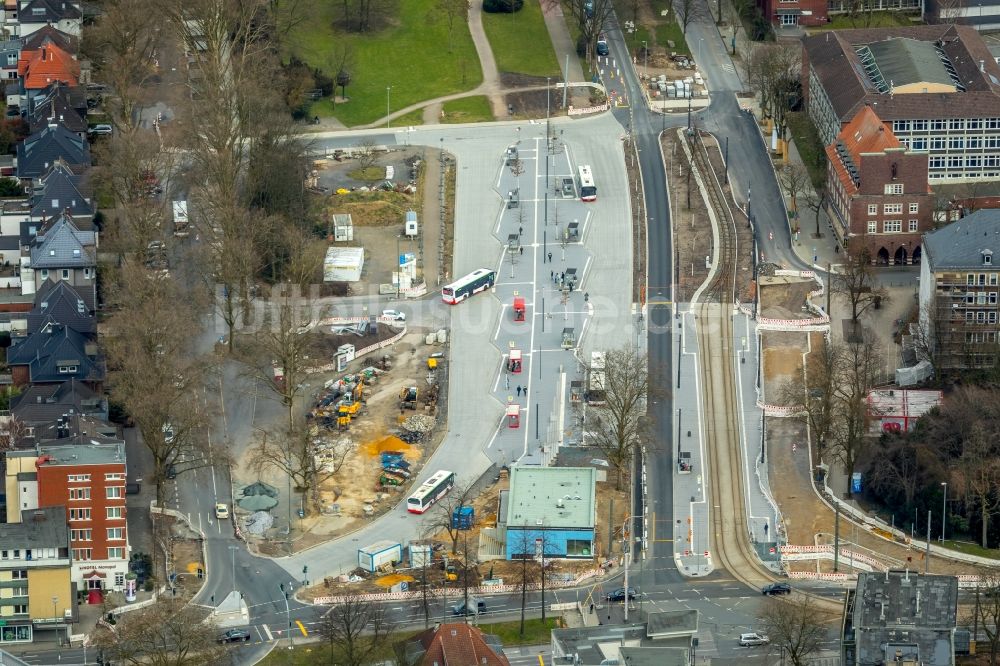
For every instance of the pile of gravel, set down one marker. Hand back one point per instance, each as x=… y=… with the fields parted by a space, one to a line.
x=419 y=423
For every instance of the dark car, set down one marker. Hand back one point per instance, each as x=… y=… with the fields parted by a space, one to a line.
x=619 y=594
x=235 y=636
x=602 y=45
x=776 y=588
x=462 y=609
x=171 y=472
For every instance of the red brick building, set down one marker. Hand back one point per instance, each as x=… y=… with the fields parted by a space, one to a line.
x=88 y=478
x=879 y=195
x=789 y=13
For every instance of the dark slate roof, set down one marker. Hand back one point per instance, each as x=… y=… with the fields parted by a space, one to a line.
x=57 y=104
x=54 y=346
x=961 y=244
x=10 y=243
x=59 y=192
x=43 y=403
x=833 y=58
x=59 y=303
x=906 y=61
x=61 y=244
x=9 y=47
x=40 y=151
x=51 y=35
x=39 y=528
x=903 y=614
x=48 y=11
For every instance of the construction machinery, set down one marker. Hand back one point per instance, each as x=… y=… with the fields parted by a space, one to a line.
x=408 y=398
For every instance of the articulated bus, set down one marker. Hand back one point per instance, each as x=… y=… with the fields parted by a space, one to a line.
x=430 y=491
x=588 y=190
x=473 y=283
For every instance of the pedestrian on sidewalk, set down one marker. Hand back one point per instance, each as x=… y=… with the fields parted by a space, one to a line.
x=550 y=257
x=522 y=250
x=518 y=390
x=520 y=230
x=552 y=275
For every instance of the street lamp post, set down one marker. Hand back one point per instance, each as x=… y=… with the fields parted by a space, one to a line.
x=627 y=555
x=232 y=551
x=387 y=89
x=55 y=616
x=944 y=509
x=288 y=612
x=645 y=59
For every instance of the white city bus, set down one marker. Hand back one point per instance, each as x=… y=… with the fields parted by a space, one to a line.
x=588 y=190
x=478 y=280
x=430 y=491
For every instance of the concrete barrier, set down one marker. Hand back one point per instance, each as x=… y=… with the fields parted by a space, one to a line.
x=590 y=109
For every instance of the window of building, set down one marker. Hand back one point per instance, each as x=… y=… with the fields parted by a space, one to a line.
x=982 y=279
x=872 y=227
x=18 y=574
x=78 y=478
x=991 y=160
x=19 y=591
x=116 y=533
x=993 y=279
x=913 y=225
x=20 y=609
x=114 y=492
x=937 y=124
x=67 y=369
x=918 y=144
x=873 y=209
x=79 y=514
x=119 y=579
x=80 y=535
x=955 y=162
x=956 y=123
x=969 y=316
x=65 y=274
x=116 y=553
x=993 y=298
x=974 y=123
x=892 y=226
x=79 y=493
x=15 y=634
x=980 y=317
x=579 y=548
x=981 y=298
x=892 y=209
x=45 y=274
x=974 y=142
x=938 y=143
x=82 y=554
x=914 y=207
x=973 y=160
x=936 y=163
x=956 y=142
x=919 y=125
x=991 y=317
x=114 y=512
x=4 y=555
x=992 y=142
x=894 y=188
x=114 y=476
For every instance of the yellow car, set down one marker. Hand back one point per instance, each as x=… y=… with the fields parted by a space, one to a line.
x=221 y=511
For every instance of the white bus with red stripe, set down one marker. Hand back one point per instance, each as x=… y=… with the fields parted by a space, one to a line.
x=478 y=280
x=430 y=491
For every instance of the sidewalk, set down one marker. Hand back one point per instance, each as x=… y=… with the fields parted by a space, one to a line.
x=561 y=41
x=817 y=252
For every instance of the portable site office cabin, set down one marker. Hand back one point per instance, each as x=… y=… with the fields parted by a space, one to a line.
x=343 y=264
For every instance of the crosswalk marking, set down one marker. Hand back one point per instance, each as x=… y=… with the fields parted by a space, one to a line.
x=267 y=631
x=728 y=67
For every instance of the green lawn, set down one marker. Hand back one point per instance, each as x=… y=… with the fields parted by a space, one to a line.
x=809 y=145
x=876 y=20
x=665 y=29
x=468 y=110
x=970 y=548
x=411 y=56
x=411 y=119
x=536 y=631
x=521 y=43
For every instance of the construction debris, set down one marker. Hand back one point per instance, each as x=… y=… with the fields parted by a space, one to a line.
x=419 y=423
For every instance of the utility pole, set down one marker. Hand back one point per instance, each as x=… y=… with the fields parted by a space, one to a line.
x=627 y=555
x=836 y=539
x=288 y=613
x=927 y=551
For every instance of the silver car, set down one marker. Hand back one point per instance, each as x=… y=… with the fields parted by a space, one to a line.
x=753 y=638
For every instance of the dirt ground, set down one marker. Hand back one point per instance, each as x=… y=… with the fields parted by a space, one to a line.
x=351 y=497
x=782 y=361
x=785 y=297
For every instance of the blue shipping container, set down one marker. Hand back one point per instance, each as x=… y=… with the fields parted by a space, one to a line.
x=462 y=518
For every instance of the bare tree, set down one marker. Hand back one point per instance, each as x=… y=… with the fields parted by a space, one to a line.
x=592 y=18
x=307 y=458
x=794 y=179
x=815 y=395
x=986 y=613
x=123 y=47
x=617 y=426
x=979 y=473
x=772 y=71
x=440 y=518
x=949 y=11
x=687 y=11
x=356 y=630
x=452 y=11
x=168 y=633
x=285 y=338
x=816 y=202
x=856 y=282
x=289 y=14
x=860 y=366
x=900 y=468
x=366 y=153
x=796 y=627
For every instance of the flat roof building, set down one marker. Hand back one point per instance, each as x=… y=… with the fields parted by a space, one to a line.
x=550 y=512
x=900 y=617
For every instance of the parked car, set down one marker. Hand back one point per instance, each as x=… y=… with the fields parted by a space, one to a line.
x=394 y=315
x=460 y=608
x=602 y=45
x=753 y=638
x=100 y=129
x=568 y=189
x=776 y=588
x=221 y=511
x=619 y=594
x=235 y=636
x=171 y=472
x=168 y=433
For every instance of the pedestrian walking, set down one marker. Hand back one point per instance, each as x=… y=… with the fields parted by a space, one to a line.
x=552 y=275
x=518 y=390
x=520 y=230
x=522 y=250
x=550 y=257
x=562 y=276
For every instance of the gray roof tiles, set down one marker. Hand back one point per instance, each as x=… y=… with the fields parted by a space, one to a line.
x=39 y=528
x=62 y=244
x=60 y=192
x=37 y=153
x=55 y=347
x=961 y=244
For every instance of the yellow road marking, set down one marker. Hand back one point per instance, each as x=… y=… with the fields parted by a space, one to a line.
x=302 y=627
x=659 y=303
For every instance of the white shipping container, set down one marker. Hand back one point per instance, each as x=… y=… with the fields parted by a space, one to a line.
x=343 y=264
x=373 y=557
